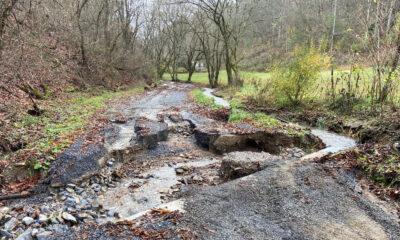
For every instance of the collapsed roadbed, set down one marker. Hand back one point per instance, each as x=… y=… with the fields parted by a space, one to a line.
x=160 y=173
x=149 y=124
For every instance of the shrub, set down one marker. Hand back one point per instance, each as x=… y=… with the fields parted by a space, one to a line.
x=182 y=70
x=293 y=79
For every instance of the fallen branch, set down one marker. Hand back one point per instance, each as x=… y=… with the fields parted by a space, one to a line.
x=15 y=196
x=28 y=89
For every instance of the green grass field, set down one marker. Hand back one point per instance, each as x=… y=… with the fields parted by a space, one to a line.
x=255 y=81
x=260 y=78
x=202 y=77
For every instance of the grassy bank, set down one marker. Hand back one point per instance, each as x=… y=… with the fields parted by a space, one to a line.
x=37 y=140
x=240 y=115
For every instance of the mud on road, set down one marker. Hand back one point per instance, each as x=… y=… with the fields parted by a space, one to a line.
x=158 y=176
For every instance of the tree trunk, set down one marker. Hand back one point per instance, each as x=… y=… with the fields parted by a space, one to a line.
x=107 y=39
x=82 y=40
x=333 y=86
x=190 y=76
x=5 y=12
x=191 y=71
x=228 y=64
x=367 y=22
x=229 y=73
x=388 y=84
x=334 y=24
x=392 y=3
x=238 y=80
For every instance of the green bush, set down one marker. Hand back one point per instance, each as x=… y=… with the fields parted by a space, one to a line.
x=293 y=79
x=182 y=70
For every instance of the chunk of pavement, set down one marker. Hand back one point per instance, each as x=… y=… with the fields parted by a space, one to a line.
x=77 y=163
x=68 y=217
x=239 y=164
x=44 y=235
x=11 y=224
x=217 y=138
x=27 y=235
x=149 y=133
x=27 y=221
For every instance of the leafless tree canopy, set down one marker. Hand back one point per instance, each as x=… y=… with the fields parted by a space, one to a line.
x=165 y=36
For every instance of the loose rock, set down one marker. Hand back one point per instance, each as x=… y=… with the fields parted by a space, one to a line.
x=27 y=221
x=179 y=171
x=27 y=235
x=6 y=234
x=42 y=218
x=11 y=224
x=68 y=217
x=45 y=209
x=35 y=231
x=44 y=235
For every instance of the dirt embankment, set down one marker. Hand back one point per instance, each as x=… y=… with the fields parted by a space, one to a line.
x=47 y=99
x=383 y=129
x=39 y=71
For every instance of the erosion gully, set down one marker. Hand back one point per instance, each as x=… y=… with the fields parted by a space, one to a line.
x=178 y=175
x=156 y=184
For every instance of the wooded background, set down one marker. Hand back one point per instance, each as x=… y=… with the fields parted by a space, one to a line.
x=53 y=44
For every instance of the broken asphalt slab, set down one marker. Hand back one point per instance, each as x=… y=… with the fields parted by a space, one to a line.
x=220 y=138
x=121 y=143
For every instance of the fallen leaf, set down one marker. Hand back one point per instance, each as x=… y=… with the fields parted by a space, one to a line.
x=85 y=235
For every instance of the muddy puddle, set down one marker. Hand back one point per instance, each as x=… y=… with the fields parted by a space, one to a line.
x=153 y=189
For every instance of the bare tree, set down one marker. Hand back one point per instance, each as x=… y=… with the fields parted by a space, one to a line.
x=334 y=23
x=155 y=40
x=6 y=7
x=130 y=12
x=231 y=19
x=192 y=54
x=175 y=31
x=211 y=47
x=389 y=18
x=80 y=7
